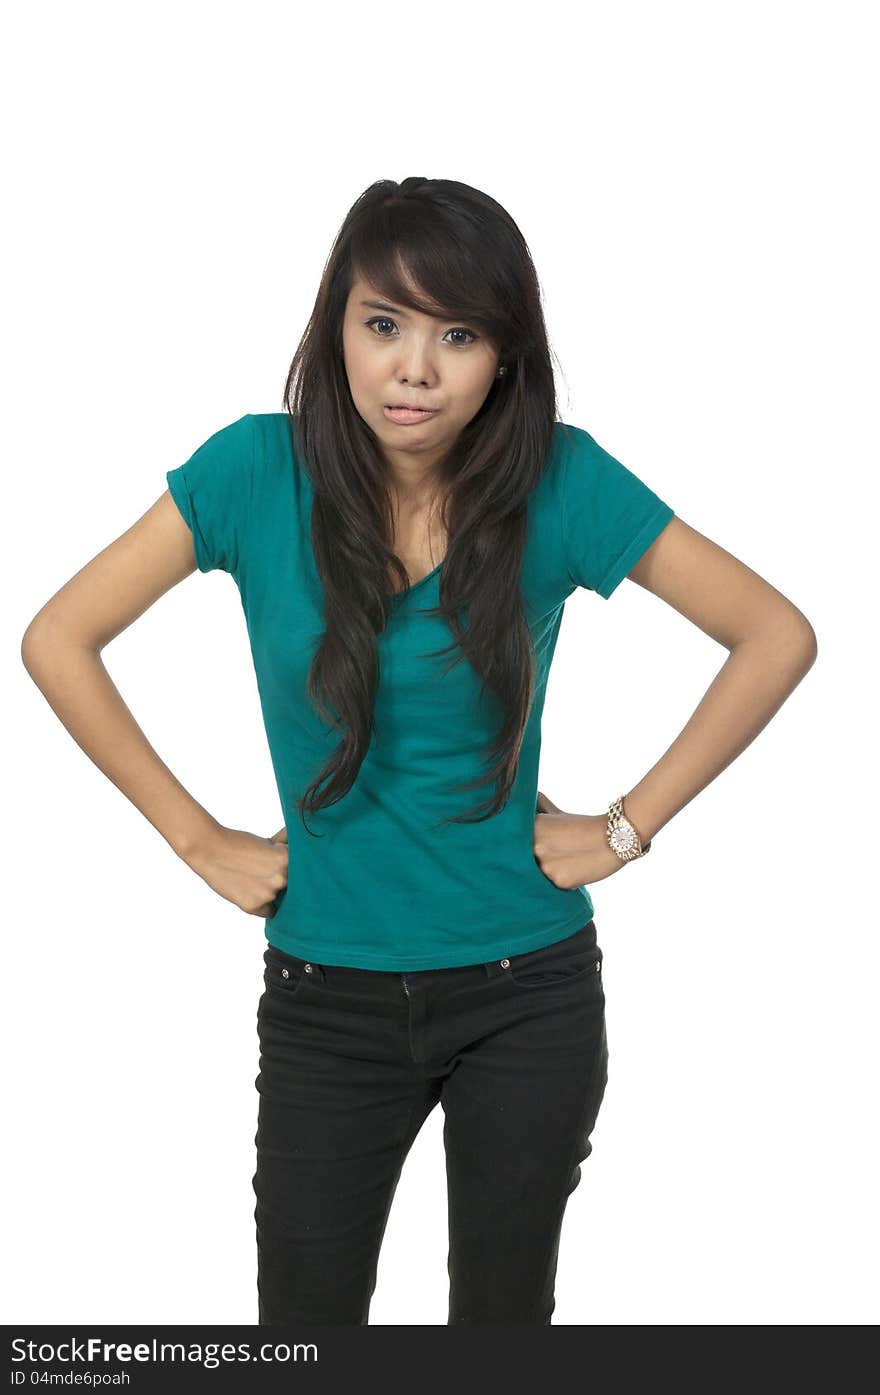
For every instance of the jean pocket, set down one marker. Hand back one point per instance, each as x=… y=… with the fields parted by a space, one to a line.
x=557 y=963
x=285 y=974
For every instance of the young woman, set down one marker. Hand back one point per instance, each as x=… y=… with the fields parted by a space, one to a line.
x=404 y=536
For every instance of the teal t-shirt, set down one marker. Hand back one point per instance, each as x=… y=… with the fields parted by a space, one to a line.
x=386 y=887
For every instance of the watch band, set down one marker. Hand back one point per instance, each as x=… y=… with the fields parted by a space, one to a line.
x=623 y=836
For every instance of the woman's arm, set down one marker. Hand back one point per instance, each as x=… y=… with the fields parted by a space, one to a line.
x=772 y=646
x=61 y=650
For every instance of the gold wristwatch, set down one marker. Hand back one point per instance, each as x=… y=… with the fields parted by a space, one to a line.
x=623 y=836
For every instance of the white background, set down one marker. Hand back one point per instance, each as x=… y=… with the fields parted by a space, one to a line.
x=697 y=185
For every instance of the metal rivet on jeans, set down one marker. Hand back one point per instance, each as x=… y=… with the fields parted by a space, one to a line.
x=308 y=968
x=285 y=973
x=505 y=963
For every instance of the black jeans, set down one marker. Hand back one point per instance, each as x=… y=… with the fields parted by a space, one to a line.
x=352 y=1061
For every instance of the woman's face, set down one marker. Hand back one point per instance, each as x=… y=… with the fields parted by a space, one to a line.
x=396 y=356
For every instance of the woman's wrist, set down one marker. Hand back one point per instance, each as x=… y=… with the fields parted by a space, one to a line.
x=638 y=810
x=625 y=837
x=194 y=840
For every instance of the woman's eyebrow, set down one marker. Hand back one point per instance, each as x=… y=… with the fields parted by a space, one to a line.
x=377 y=305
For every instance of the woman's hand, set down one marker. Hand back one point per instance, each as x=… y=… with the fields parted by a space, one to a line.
x=247 y=870
x=572 y=849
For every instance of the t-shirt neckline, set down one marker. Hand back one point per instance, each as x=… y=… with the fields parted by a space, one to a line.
x=398 y=595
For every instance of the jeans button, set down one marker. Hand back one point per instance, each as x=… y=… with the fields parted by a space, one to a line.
x=505 y=963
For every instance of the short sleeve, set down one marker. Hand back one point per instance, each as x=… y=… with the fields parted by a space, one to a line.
x=212 y=490
x=610 y=516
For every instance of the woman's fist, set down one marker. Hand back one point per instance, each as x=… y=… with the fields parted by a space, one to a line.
x=246 y=869
x=572 y=849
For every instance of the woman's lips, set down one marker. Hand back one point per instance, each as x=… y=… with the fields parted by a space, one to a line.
x=407 y=416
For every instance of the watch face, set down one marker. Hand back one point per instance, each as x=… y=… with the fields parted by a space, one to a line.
x=623 y=838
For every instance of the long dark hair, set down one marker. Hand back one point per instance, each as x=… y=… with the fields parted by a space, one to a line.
x=466 y=257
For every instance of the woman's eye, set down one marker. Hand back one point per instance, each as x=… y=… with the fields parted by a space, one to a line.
x=383 y=320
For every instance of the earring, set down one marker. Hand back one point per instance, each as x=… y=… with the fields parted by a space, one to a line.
x=501 y=372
